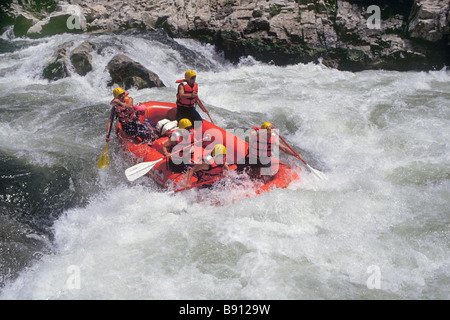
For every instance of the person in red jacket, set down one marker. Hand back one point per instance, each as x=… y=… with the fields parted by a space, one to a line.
x=261 y=145
x=128 y=117
x=177 y=148
x=187 y=97
x=212 y=167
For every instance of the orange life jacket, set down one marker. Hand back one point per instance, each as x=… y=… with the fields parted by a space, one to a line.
x=187 y=102
x=214 y=171
x=262 y=147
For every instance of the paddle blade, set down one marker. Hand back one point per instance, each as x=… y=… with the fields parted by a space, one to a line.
x=103 y=161
x=140 y=169
x=317 y=173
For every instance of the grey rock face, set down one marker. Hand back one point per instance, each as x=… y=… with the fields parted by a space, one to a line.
x=346 y=34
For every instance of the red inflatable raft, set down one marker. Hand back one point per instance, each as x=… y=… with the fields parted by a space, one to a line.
x=160 y=172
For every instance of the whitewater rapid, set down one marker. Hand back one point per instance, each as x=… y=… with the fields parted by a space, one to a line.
x=378 y=228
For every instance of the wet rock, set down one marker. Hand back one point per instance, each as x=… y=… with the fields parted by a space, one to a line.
x=81 y=58
x=57 y=68
x=291 y=31
x=429 y=20
x=128 y=73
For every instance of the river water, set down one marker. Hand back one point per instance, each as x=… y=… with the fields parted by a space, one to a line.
x=378 y=228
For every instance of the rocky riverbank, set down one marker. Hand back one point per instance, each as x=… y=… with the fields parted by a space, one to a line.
x=349 y=35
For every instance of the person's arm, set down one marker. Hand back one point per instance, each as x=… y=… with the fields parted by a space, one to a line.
x=174 y=139
x=194 y=94
x=194 y=169
x=166 y=146
x=127 y=104
x=287 y=150
x=199 y=102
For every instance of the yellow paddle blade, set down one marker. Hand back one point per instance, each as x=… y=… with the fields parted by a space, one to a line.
x=103 y=161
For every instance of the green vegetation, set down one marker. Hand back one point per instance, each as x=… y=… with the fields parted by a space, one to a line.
x=299 y=17
x=38 y=6
x=5 y=9
x=257 y=14
x=223 y=34
x=331 y=6
x=258 y=45
x=274 y=10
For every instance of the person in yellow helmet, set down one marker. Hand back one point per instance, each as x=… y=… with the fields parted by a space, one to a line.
x=179 y=139
x=212 y=167
x=124 y=110
x=187 y=97
x=260 y=148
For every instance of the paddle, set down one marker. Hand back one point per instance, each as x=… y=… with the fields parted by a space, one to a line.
x=209 y=117
x=142 y=168
x=318 y=173
x=196 y=185
x=204 y=110
x=103 y=160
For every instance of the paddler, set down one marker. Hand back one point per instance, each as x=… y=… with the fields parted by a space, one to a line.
x=187 y=97
x=176 y=147
x=128 y=117
x=262 y=142
x=212 y=167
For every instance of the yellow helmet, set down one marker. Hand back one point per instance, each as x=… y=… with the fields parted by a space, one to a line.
x=184 y=123
x=189 y=74
x=218 y=150
x=117 y=92
x=265 y=125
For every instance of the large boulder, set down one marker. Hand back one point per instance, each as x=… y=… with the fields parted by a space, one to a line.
x=129 y=73
x=57 y=68
x=81 y=58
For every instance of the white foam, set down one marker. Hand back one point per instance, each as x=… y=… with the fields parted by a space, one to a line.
x=380 y=137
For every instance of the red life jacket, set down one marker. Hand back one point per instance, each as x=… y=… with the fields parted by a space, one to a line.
x=187 y=102
x=125 y=114
x=214 y=171
x=262 y=147
x=181 y=142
